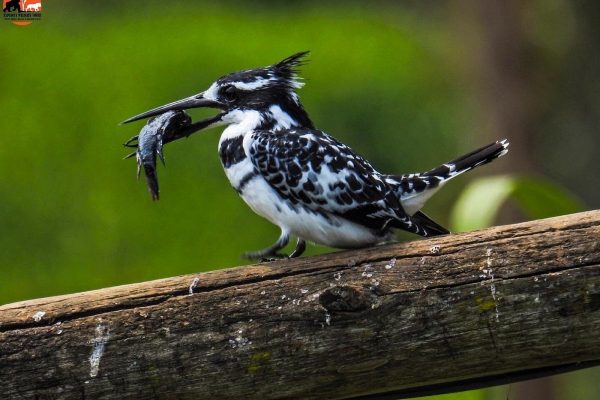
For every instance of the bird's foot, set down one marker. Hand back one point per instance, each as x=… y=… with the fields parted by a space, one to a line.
x=270 y=253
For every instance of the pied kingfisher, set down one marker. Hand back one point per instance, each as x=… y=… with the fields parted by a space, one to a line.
x=303 y=180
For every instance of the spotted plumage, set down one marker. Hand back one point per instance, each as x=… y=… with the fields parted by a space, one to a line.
x=301 y=179
x=311 y=170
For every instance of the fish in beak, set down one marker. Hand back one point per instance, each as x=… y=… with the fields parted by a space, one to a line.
x=170 y=122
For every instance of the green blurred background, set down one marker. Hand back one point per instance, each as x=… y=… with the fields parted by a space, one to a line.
x=407 y=84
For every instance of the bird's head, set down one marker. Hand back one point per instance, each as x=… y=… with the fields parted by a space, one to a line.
x=267 y=94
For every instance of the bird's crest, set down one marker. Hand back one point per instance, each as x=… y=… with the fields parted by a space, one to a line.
x=289 y=68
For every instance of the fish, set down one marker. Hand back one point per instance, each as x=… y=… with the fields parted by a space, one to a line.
x=149 y=143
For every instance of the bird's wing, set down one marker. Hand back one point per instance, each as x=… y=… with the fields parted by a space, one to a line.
x=310 y=169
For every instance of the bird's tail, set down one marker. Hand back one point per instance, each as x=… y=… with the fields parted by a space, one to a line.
x=415 y=189
x=469 y=161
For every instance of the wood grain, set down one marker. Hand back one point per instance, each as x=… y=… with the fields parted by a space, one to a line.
x=428 y=316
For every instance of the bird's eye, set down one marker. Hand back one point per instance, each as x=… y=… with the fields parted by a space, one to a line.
x=229 y=92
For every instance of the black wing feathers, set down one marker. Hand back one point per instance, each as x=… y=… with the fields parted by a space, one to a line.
x=313 y=170
x=431 y=227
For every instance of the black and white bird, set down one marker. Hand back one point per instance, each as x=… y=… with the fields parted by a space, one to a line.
x=303 y=180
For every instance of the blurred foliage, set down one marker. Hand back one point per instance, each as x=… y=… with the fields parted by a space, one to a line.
x=75 y=218
x=388 y=80
x=482 y=200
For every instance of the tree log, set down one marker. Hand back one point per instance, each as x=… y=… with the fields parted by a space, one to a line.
x=430 y=316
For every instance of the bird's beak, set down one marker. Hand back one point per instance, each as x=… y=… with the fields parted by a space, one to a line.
x=195 y=101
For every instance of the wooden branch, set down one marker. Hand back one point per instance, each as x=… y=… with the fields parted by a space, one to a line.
x=428 y=316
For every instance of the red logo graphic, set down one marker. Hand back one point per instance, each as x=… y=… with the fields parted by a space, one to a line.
x=22 y=12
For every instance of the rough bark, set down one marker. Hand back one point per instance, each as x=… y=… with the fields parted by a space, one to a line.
x=429 y=316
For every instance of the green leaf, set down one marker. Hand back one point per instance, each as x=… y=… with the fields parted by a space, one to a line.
x=481 y=201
